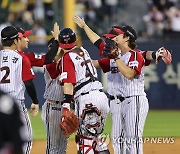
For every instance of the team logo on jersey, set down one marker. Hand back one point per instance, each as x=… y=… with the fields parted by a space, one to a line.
x=38 y=56
x=133 y=63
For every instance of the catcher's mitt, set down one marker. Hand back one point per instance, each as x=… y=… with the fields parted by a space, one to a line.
x=164 y=54
x=110 y=49
x=69 y=123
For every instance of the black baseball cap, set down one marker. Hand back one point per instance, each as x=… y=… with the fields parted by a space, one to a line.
x=23 y=33
x=9 y=33
x=116 y=30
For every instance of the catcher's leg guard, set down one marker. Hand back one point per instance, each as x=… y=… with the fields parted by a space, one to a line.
x=85 y=145
x=91 y=121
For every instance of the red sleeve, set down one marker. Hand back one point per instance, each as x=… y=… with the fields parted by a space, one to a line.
x=35 y=60
x=147 y=62
x=136 y=61
x=105 y=64
x=51 y=68
x=68 y=72
x=27 y=71
x=101 y=47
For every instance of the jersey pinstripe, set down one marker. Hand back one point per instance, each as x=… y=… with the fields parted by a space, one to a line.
x=14 y=69
x=53 y=90
x=11 y=74
x=51 y=113
x=118 y=84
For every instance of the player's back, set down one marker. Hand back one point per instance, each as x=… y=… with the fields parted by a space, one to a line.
x=83 y=65
x=11 y=73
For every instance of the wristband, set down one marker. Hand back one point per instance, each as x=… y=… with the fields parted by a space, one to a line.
x=35 y=101
x=154 y=55
x=68 y=98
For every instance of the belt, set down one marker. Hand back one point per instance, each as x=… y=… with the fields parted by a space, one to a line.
x=55 y=102
x=118 y=97
x=91 y=90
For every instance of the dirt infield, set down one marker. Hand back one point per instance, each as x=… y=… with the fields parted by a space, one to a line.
x=149 y=148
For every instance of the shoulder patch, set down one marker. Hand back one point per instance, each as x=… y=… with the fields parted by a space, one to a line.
x=38 y=56
x=133 y=63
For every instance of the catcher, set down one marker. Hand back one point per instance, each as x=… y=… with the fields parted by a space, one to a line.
x=79 y=77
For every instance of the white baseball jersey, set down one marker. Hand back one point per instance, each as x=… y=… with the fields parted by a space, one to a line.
x=53 y=90
x=15 y=68
x=78 y=73
x=51 y=111
x=118 y=84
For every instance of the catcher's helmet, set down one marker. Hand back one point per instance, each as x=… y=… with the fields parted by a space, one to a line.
x=67 y=38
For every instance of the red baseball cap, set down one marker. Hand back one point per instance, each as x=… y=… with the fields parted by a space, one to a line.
x=116 y=30
x=23 y=33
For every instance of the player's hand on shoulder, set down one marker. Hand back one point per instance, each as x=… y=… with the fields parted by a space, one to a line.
x=34 y=109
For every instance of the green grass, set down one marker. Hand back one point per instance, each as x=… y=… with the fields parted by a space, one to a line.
x=158 y=124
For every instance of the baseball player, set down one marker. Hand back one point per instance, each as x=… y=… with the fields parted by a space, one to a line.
x=11 y=140
x=128 y=102
x=79 y=77
x=16 y=75
x=51 y=109
x=37 y=60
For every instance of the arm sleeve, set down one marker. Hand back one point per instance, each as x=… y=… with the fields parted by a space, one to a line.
x=51 y=68
x=35 y=60
x=51 y=53
x=68 y=70
x=104 y=64
x=100 y=45
x=136 y=62
x=147 y=62
x=31 y=91
x=27 y=71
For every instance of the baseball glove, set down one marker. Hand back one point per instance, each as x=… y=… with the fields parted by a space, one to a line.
x=110 y=49
x=164 y=54
x=69 y=123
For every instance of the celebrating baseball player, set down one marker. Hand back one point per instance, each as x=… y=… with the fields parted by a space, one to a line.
x=51 y=109
x=128 y=102
x=38 y=60
x=79 y=77
x=16 y=75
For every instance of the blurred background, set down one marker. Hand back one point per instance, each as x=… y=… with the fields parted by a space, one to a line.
x=157 y=23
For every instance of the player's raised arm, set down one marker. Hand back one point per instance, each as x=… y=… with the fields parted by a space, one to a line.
x=54 y=46
x=89 y=32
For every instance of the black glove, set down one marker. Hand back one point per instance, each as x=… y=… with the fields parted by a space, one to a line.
x=110 y=49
